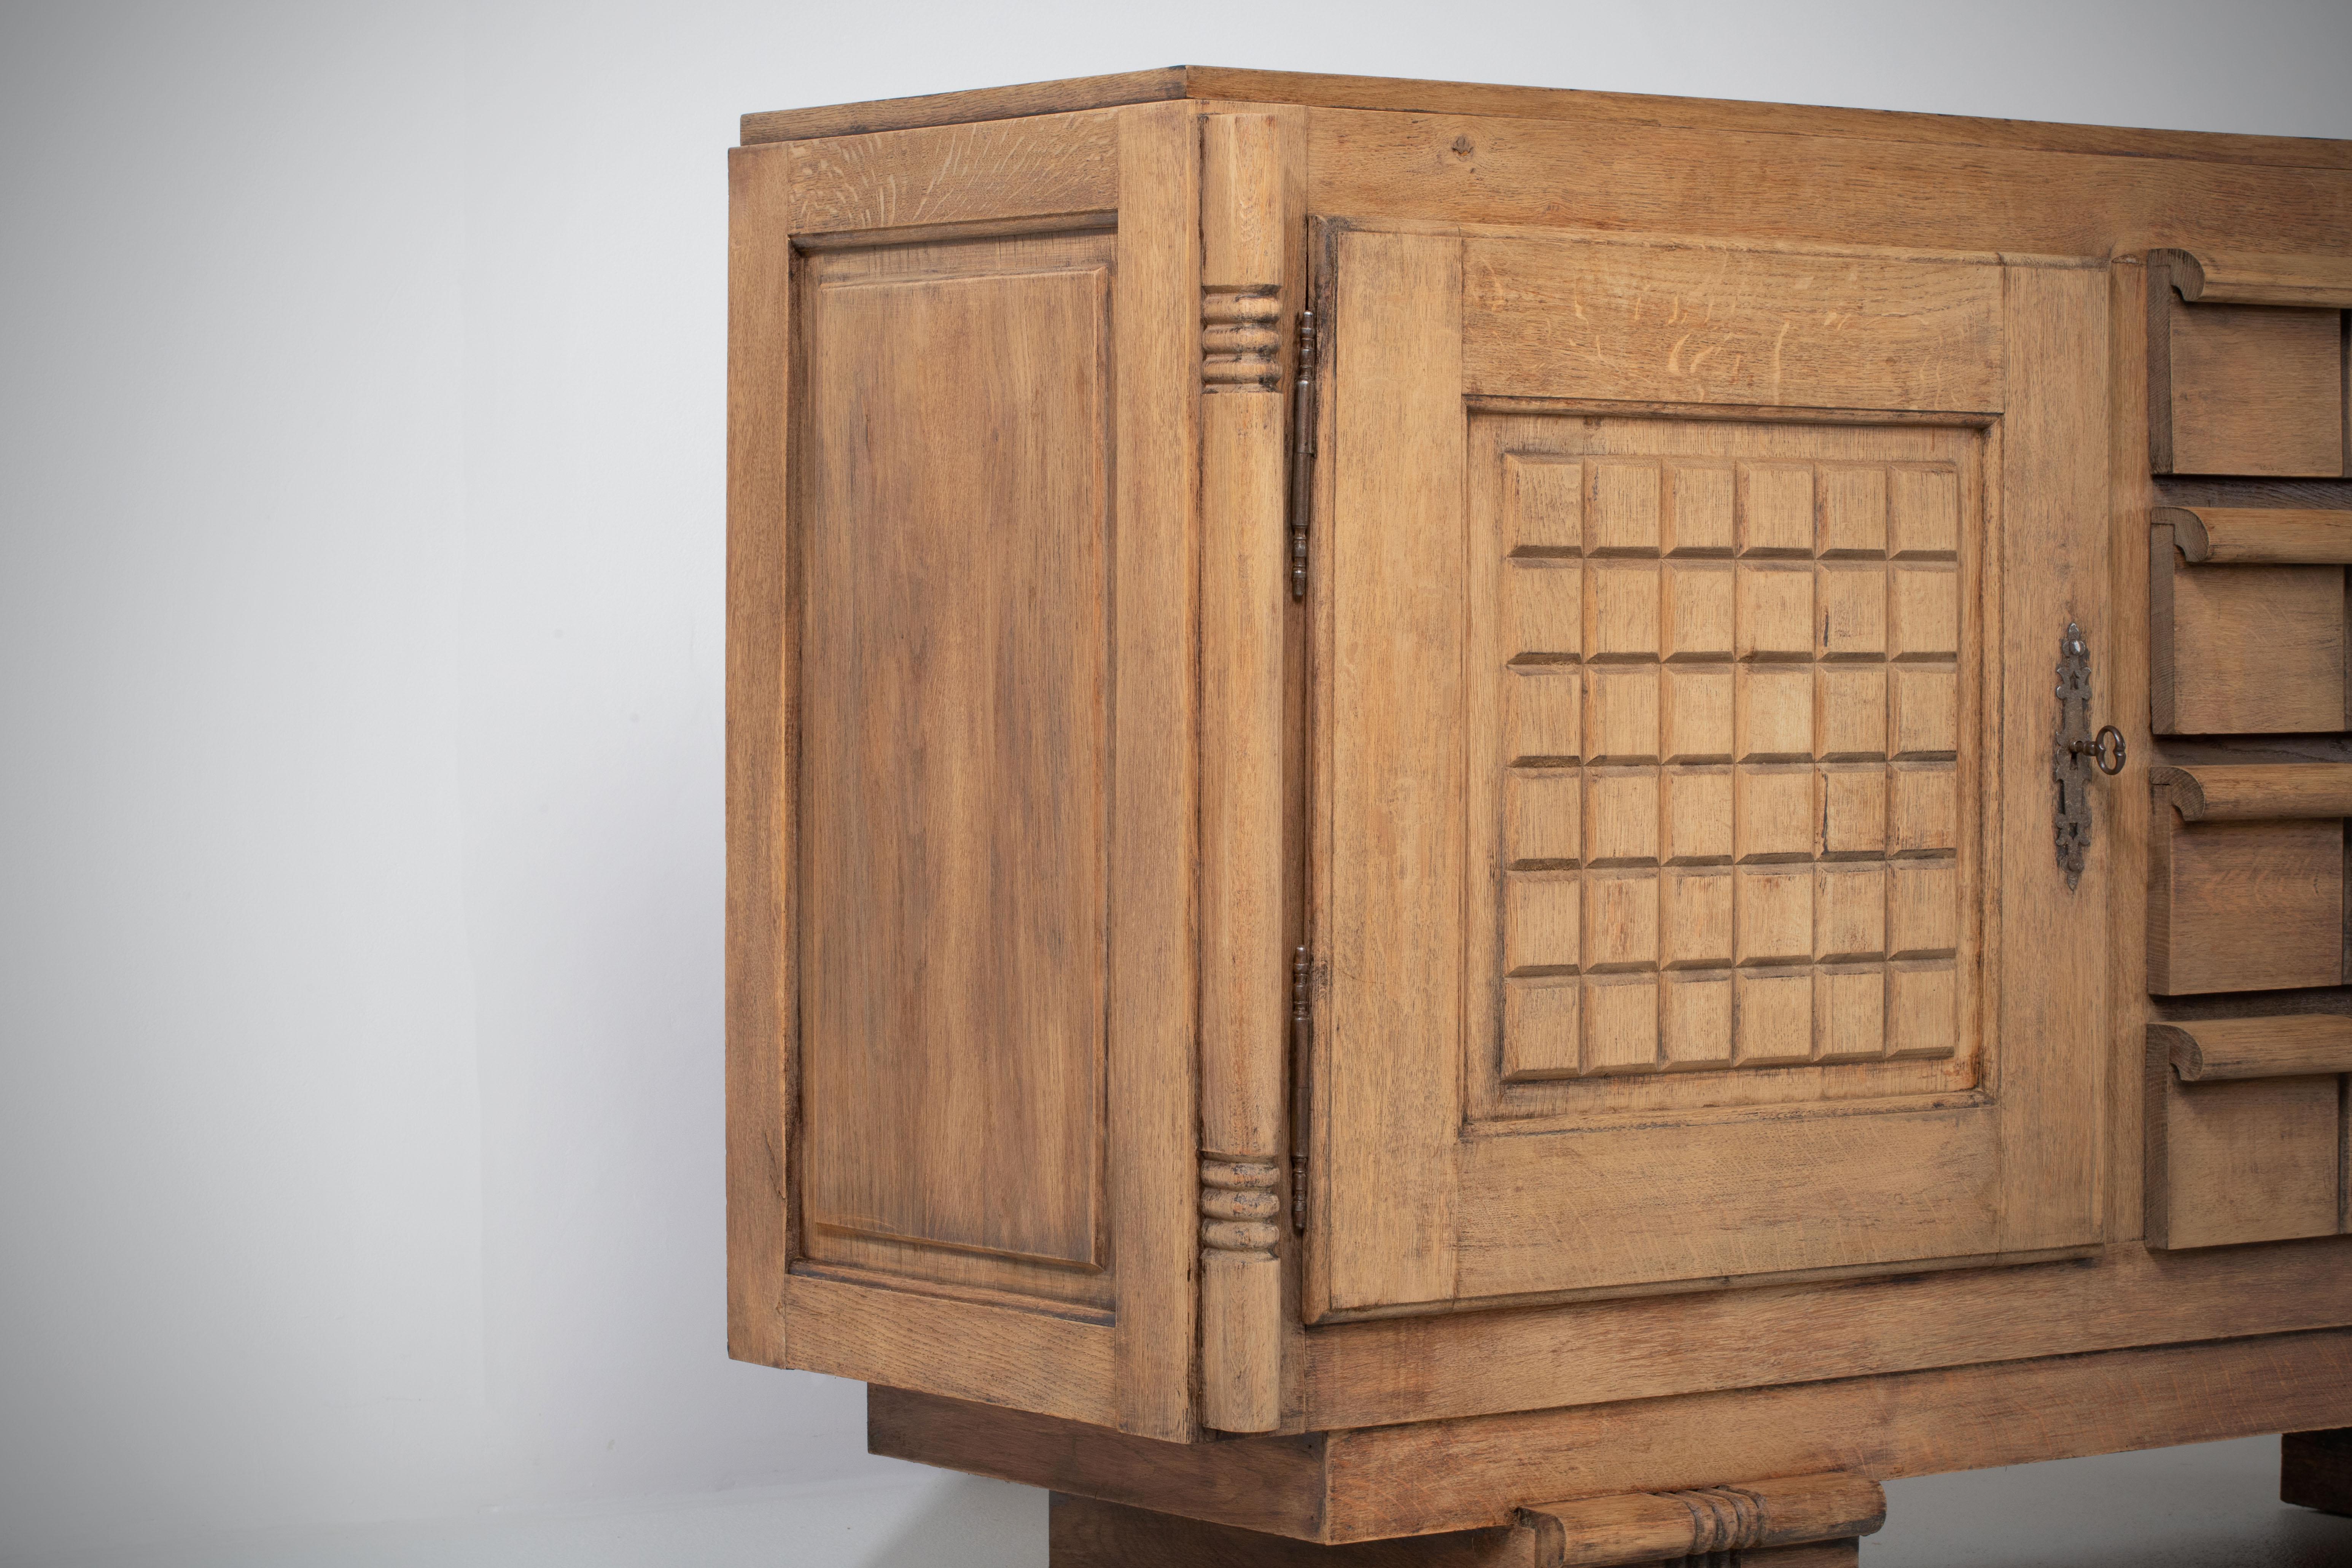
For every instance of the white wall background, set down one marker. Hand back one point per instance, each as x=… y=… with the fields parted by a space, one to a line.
x=360 y=727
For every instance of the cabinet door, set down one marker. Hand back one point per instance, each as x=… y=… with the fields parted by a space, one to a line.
x=1687 y=908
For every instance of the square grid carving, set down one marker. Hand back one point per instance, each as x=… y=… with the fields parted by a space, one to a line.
x=1730 y=728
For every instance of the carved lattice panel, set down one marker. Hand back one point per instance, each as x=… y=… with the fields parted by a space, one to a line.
x=1723 y=808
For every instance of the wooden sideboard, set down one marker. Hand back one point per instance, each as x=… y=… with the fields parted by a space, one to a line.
x=1540 y=826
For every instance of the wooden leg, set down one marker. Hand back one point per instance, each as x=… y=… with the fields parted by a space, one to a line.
x=2315 y=1470
x=1086 y=1534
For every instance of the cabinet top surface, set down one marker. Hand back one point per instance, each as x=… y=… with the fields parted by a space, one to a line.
x=1409 y=95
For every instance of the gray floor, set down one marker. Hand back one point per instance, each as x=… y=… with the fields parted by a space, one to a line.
x=2214 y=1506
x=2211 y=1506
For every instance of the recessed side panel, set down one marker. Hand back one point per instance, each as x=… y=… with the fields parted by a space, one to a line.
x=954 y=762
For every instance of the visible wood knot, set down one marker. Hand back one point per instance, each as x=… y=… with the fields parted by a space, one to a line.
x=1463 y=147
x=1241 y=338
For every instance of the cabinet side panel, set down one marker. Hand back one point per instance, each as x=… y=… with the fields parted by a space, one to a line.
x=955 y=763
x=759 y=794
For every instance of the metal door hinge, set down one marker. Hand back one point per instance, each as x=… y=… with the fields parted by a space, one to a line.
x=1302 y=454
x=1302 y=1040
x=2076 y=752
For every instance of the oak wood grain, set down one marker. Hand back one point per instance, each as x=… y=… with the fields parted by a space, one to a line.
x=2248 y=389
x=761 y=1048
x=1393 y=1370
x=1381 y=1482
x=2239 y=792
x=2244 y=650
x=1466 y=1473
x=2241 y=1160
x=2131 y=697
x=2245 y=906
x=1084 y=1532
x=1726 y=324
x=1245 y=968
x=1667 y=179
x=1746 y=1516
x=1529 y=103
x=2287 y=1046
x=2262 y=536
x=1389 y=1106
x=960 y=1348
x=1581 y=683
x=2055 y=1016
x=2245 y=278
x=953 y=1016
x=1271 y=1484
x=1050 y=167
x=1155 y=838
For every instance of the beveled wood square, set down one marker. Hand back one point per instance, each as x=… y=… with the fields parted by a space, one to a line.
x=1543 y=608
x=1776 y=509
x=1542 y=707
x=1624 y=511
x=1850 y=712
x=1621 y=713
x=1545 y=502
x=1775 y=614
x=1699 y=510
x=1694 y=920
x=1543 y=816
x=1621 y=1024
x=1853 y=511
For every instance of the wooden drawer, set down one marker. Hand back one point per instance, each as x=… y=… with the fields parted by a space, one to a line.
x=2246 y=365
x=2247 y=621
x=2246 y=1130
x=2246 y=877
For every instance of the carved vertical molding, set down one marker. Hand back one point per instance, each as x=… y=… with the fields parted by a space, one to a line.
x=1241 y=1207
x=1246 y=938
x=1241 y=338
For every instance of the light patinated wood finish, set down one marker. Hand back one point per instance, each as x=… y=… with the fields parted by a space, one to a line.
x=1411 y=96
x=1806 y=1522
x=2284 y=1047
x=2245 y=906
x=2246 y=388
x=2244 y=650
x=1747 y=1517
x=1706 y=1070
x=2260 y=536
x=761 y=990
x=1247 y=932
x=1387 y=1371
x=951 y=390
x=1155 y=844
x=2212 y=277
x=1375 y=1483
x=1727 y=722
x=2249 y=792
x=2245 y=1159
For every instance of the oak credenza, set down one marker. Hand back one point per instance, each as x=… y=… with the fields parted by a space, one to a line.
x=1538 y=825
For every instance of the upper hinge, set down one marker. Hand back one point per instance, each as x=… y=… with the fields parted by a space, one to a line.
x=1302 y=454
